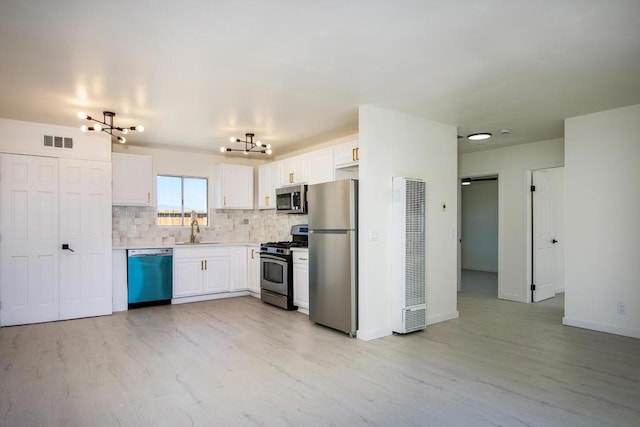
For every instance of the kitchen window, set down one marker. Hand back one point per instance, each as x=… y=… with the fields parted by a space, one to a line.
x=178 y=196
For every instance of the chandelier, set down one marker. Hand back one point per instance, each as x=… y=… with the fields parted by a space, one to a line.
x=106 y=125
x=249 y=145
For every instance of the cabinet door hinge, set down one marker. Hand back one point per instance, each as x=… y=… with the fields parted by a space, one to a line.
x=533 y=287
x=533 y=188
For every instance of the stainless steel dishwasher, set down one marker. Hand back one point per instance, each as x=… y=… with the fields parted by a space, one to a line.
x=149 y=277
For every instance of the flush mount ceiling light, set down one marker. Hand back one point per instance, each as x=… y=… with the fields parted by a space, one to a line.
x=479 y=136
x=106 y=125
x=249 y=145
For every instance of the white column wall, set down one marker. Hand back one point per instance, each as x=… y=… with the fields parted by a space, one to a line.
x=512 y=165
x=602 y=230
x=397 y=144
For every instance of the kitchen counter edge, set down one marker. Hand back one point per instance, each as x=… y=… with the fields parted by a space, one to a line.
x=183 y=245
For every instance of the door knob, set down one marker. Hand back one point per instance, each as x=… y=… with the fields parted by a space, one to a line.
x=554 y=241
x=65 y=246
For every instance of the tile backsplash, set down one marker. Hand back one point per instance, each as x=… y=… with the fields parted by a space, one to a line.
x=136 y=226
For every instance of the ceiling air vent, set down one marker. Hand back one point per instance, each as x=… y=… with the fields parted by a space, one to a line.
x=57 y=141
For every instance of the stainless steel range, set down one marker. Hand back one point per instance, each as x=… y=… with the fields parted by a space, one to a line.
x=276 y=268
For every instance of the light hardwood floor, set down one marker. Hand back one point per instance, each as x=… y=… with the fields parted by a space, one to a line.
x=241 y=362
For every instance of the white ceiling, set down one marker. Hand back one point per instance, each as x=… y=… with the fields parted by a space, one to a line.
x=294 y=72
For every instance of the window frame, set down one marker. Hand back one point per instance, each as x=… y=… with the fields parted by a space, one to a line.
x=183 y=215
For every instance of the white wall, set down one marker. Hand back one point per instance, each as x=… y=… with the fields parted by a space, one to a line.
x=513 y=165
x=480 y=226
x=397 y=144
x=602 y=154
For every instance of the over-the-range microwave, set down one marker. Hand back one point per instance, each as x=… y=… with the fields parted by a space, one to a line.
x=292 y=199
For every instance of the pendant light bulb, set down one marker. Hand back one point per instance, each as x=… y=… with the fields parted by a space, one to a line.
x=82 y=115
x=140 y=128
x=259 y=143
x=97 y=127
x=223 y=149
x=125 y=131
x=232 y=139
x=269 y=151
x=84 y=128
x=122 y=139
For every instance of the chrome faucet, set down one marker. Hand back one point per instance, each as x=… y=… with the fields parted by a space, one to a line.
x=193 y=236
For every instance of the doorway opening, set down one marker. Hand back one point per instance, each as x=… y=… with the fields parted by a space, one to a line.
x=478 y=243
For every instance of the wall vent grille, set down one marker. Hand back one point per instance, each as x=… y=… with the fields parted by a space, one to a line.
x=415 y=320
x=410 y=257
x=415 y=244
x=57 y=141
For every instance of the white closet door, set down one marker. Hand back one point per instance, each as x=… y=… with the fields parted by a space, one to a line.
x=85 y=225
x=29 y=243
x=544 y=240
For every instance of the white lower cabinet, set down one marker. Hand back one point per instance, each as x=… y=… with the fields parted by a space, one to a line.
x=253 y=270
x=239 y=268
x=301 y=279
x=215 y=270
x=201 y=270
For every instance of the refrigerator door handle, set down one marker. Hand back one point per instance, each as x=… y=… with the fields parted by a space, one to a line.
x=329 y=231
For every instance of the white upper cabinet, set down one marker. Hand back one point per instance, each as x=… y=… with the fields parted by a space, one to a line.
x=234 y=187
x=268 y=181
x=293 y=171
x=132 y=179
x=346 y=155
x=320 y=166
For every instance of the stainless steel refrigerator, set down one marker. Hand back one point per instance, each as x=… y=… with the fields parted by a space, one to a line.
x=333 y=254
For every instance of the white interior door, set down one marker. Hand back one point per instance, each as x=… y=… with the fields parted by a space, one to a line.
x=29 y=241
x=85 y=225
x=544 y=239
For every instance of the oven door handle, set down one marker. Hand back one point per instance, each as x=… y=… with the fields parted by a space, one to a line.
x=273 y=258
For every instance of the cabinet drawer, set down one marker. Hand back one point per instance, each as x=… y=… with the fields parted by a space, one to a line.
x=300 y=257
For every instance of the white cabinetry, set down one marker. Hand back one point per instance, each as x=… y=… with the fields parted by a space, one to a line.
x=268 y=181
x=346 y=155
x=320 y=166
x=120 y=290
x=201 y=270
x=132 y=179
x=238 y=268
x=234 y=187
x=253 y=270
x=293 y=170
x=301 y=279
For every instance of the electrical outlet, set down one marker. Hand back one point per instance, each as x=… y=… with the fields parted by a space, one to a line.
x=622 y=308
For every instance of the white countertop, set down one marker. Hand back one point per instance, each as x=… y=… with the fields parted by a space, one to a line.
x=182 y=245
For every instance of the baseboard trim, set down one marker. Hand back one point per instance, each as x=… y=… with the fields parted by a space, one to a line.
x=373 y=335
x=443 y=317
x=183 y=300
x=601 y=327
